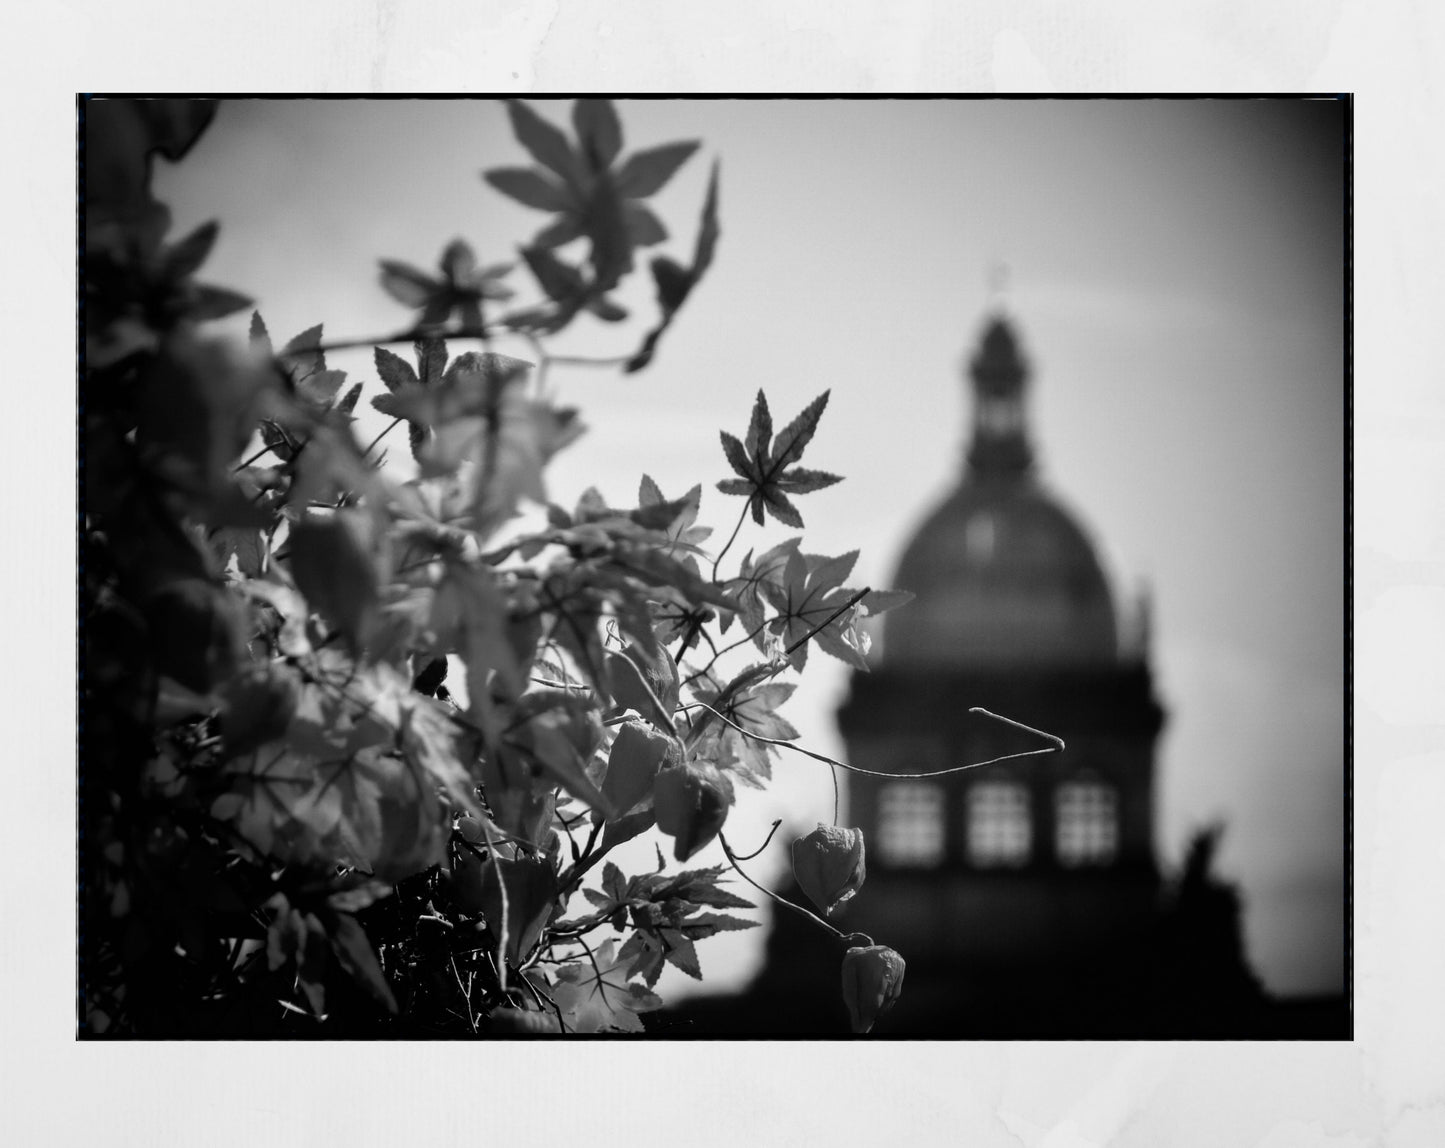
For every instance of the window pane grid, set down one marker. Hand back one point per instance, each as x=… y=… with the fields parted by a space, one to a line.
x=999 y=829
x=910 y=824
x=1087 y=824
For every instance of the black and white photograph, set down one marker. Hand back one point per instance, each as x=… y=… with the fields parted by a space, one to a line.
x=773 y=573
x=769 y=568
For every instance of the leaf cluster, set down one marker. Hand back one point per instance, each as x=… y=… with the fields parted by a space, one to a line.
x=354 y=743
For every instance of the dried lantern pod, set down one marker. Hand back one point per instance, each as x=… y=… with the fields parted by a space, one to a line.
x=829 y=867
x=872 y=980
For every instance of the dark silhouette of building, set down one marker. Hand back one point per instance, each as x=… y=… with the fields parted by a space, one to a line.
x=1024 y=894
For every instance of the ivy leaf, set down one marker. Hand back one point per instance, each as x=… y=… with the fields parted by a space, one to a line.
x=763 y=462
x=599 y=995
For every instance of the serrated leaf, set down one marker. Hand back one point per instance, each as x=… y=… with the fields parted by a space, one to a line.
x=394 y=371
x=762 y=461
x=260 y=337
x=349 y=400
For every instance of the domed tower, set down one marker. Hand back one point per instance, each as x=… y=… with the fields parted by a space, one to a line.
x=1036 y=860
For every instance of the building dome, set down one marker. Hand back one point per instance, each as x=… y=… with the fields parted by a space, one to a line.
x=1003 y=575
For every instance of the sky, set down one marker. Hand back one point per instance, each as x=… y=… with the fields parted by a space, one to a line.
x=1175 y=275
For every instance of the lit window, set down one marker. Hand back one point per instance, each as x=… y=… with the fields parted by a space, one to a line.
x=999 y=832
x=1087 y=820
x=910 y=824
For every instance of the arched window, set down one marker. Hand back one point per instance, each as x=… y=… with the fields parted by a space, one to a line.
x=999 y=829
x=1086 y=819
x=910 y=824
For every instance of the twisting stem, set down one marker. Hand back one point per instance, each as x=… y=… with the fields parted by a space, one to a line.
x=731 y=539
x=1058 y=741
x=764 y=845
x=817 y=920
x=1058 y=744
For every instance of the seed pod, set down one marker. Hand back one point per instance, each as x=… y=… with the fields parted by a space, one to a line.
x=872 y=980
x=637 y=754
x=637 y=679
x=692 y=803
x=828 y=865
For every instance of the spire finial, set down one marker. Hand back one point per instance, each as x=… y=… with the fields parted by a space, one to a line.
x=997 y=284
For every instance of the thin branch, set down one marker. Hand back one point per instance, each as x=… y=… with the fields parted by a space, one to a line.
x=585 y=361
x=731 y=538
x=833 y=617
x=766 y=840
x=471 y=1019
x=390 y=427
x=817 y=920
x=408 y=336
x=1058 y=741
x=1058 y=744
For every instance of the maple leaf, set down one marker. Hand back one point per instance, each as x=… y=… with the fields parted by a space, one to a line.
x=768 y=567
x=668 y=916
x=598 y=995
x=397 y=375
x=136 y=286
x=678 y=514
x=752 y=708
x=762 y=461
x=812 y=603
x=480 y=414
x=462 y=287
x=569 y=289
x=592 y=197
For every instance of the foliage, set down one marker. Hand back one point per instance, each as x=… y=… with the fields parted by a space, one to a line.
x=353 y=746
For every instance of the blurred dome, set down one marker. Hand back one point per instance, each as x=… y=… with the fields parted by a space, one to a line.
x=1003 y=575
